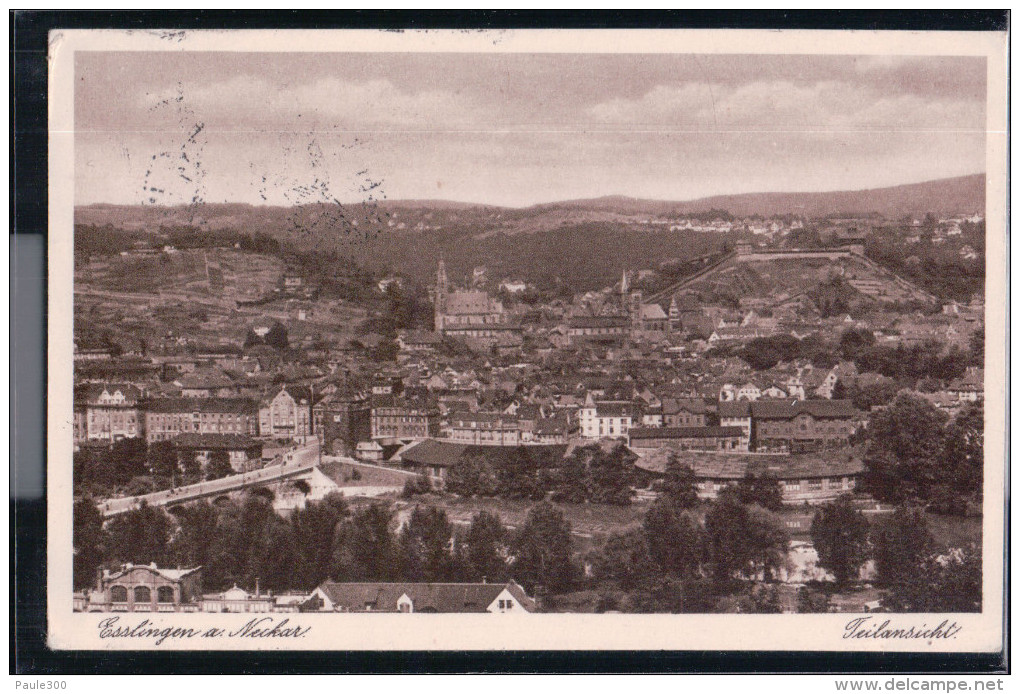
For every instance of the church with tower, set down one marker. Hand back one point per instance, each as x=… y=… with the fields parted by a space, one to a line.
x=467 y=313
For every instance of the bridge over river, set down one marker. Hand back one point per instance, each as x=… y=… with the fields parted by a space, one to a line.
x=294 y=465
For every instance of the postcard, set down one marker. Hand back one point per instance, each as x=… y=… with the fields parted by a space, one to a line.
x=530 y=339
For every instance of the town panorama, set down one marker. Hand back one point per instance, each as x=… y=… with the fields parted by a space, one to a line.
x=597 y=406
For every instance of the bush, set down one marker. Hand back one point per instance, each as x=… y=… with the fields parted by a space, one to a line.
x=947 y=501
x=415 y=486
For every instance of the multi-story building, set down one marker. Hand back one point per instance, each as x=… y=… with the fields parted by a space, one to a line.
x=206 y=385
x=485 y=429
x=168 y=418
x=111 y=411
x=608 y=418
x=701 y=438
x=80 y=419
x=342 y=420
x=286 y=414
x=243 y=453
x=406 y=420
x=599 y=330
x=811 y=478
x=801 y=425
x=737 y=413
x=684 y=412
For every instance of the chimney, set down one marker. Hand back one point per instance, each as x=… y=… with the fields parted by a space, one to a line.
x=256 y=586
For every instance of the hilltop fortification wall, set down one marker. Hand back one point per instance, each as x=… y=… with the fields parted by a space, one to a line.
x=747 y=254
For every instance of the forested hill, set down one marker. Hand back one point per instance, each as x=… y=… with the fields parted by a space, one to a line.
x=582 y=244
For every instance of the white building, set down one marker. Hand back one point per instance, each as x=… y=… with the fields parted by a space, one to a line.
x=607 y=419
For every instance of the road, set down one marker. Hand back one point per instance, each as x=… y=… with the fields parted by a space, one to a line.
x=295 y=463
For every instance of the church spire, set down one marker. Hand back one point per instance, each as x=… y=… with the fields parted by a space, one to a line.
x=441 y=291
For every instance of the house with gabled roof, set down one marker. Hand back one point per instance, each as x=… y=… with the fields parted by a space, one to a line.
x=801 y=425
x=424 y=598
x=286 y=413
x=111 y=411
x=146 y=588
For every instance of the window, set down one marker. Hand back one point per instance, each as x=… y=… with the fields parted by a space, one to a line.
x=143 y=594
x=165 y=594
x=118 y=594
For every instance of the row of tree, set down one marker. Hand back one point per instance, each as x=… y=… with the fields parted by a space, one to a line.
x=237 y=543
x=677 y=560
x=919 y=577
x=590 y=474
x=133 y=467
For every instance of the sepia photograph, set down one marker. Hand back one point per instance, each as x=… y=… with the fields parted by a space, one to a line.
x=689 y=327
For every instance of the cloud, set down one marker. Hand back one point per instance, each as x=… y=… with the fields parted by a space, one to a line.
x=786 y=105
x=248 y=101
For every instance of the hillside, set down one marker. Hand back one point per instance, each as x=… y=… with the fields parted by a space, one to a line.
x=942 y=197
x=948 y=196
x=774 y=281
x=583 y=244
x=965 y=194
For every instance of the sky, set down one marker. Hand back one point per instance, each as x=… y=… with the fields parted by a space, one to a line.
x=514 y=129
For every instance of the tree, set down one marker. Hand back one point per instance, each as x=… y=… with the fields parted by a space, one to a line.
x=542 y=550
x=128 y=458
x=472 y=476
x=768 y=542
x=903 y=543
x=253 y=543
x=810 y=600
x=277 y=337
x=251 y=339
x=612 y=476
x=743 y=541
x=963 y=450
x=725 y=525
x=947 y=583
x=841 y=535
x=198 y=527
x=163 y=460
x=315 y=529
x=522 y=475
x=425 y=545
x=977 y=347
x=763 y=490
x=624 y=559
x=854 y=341
x=904 y=449
x=191 y=464
x=484 y=548
x=368 y=549
x=759 y=599
x=679 y=483
x=592 y=475
x=141 y=536
x=675 y=540
x=218 y=465
x=89 y=541
x=415 y=486
x=666 y=594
